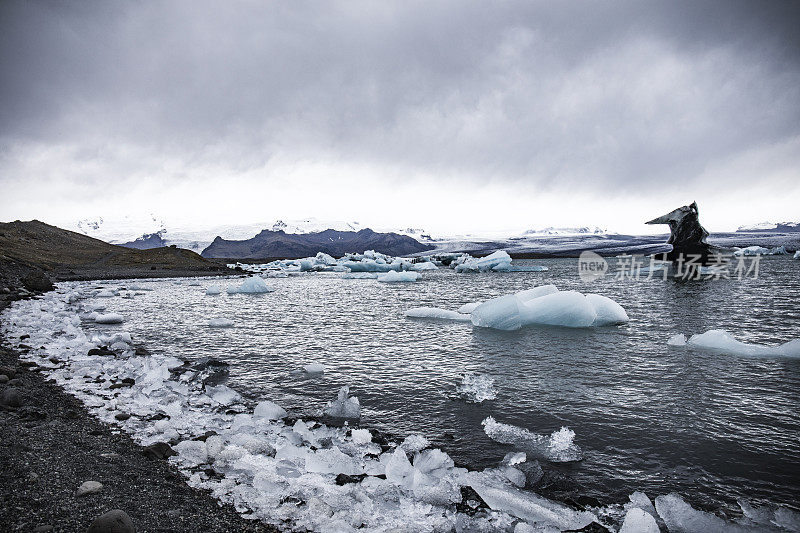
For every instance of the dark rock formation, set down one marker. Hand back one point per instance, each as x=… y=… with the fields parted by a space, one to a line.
x=272 y=244
x=687 y=236
x=116 y=521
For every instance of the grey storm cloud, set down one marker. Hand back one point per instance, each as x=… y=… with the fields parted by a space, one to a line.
x=608 y=94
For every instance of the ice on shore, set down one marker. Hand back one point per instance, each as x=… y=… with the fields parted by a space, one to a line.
x=395 y=277
x=343 y=406
x=680 y=516
x=269 y=411
x=638 y=521
x=213 y=290
x=220 y=323
x=433 y=312
x=558 y=447
x=722 y=342
x=252 y=285
x=109 y=318
x=477 y=388
x=106 y=294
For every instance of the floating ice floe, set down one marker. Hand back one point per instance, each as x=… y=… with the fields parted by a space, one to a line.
x=759 y=250
x=220 y=323
x=343 y=406
x=252 y=285
x=557 y=447
x=359 y=275
x=433 y=312
x=720 y=341
x=796 y=255
x=476 y=388
x=109 y=318
x=137 y=287
x=543 y=305
x=213 y=290
x=314 y=368
x=106 y=294
x=396 y=277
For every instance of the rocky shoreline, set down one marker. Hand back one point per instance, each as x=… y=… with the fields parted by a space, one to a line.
x=63 y=470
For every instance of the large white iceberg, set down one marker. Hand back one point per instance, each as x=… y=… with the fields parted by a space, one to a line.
x=498 y=261
x=546 y=305
x=720 y=341
x=252 y=285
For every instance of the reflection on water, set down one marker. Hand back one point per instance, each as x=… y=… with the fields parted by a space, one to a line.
x=647 y=417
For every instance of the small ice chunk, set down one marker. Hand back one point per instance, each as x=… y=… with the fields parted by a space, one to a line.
x=192 y=452
x=343 y=406
x=253 y=285
x=361 y=436
x=397 y=277
x=314 y=368
x=110 y=318
x=105 y=294
x=638 y=521
x=677 y=340
x=514 y=458
x=222 y=394
x=220 y=323
x=213 y=290
x=680 y=516
x=414 y=443
x=557 y=447
x=425 y=265
x=436 y=313
x=269 y=410
x=476 y=388
x=796 y=255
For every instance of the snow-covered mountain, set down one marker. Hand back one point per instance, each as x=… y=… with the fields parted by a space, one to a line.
x=771 y=227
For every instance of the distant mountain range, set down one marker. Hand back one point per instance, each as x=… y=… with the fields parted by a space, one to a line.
x=271 y=243
x=771 y=227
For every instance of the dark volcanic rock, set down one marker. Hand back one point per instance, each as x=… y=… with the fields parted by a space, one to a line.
x=12 y=398
x=159 y=450
x=687 y=236
x=37 y=281
x=116 y=521
x=279 y=244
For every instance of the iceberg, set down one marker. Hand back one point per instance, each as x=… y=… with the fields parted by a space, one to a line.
x=546 y=305
x=722 y=342
x=433 y=312
x=252 y=285
x=395 y=277
x=558 y=447
x=343 y=406
x=425 y=265
x=213 y=290
x=796 y=255
x=220 y=323
x=110 y=318
x=467 y=309
x=498 y=261
x=759 y=250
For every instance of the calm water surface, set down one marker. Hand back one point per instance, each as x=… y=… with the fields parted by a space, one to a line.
x=648 y=417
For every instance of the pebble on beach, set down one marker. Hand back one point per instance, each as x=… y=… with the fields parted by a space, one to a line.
x=89 y=487
x=116 y=521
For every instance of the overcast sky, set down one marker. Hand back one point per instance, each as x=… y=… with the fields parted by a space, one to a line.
x=454 y=116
